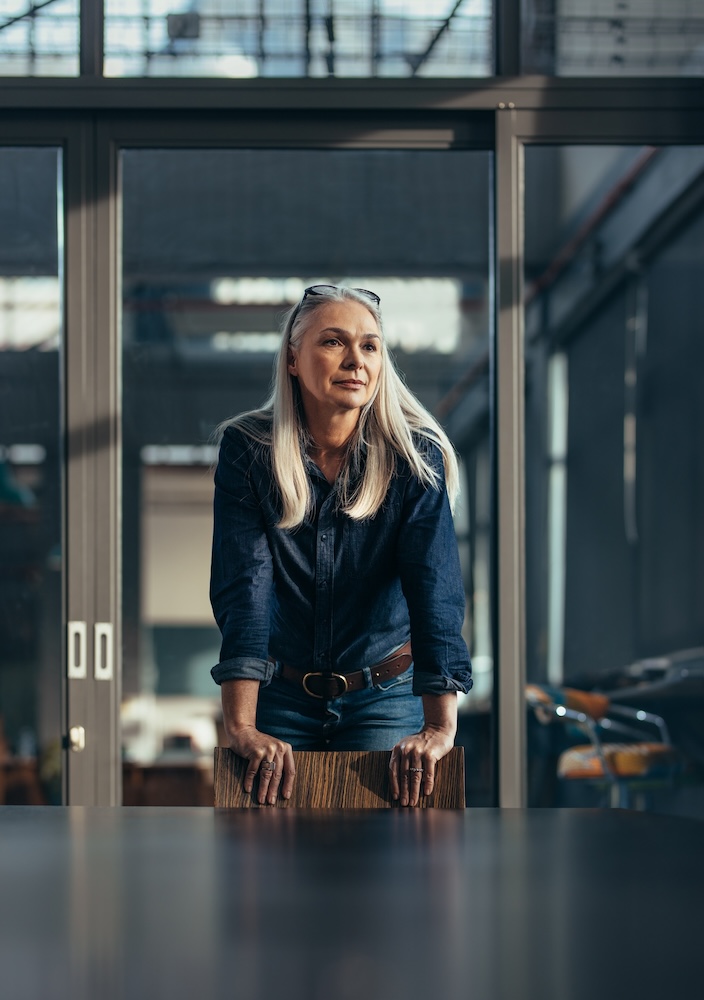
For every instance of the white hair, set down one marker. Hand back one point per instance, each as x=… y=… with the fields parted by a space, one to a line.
x=392 y=423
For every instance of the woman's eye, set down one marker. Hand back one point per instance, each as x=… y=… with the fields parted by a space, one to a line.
x=370 y=347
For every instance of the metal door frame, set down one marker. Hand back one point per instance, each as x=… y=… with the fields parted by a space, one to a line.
x=667 y=123
x=87 y=702
x=92 y=119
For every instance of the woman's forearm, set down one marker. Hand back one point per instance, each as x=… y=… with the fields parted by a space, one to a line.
x=414 y=758
x=269 y=759
x=440 y=711
x=239 y=704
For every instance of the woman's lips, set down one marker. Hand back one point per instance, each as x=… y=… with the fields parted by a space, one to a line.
x=351 y=383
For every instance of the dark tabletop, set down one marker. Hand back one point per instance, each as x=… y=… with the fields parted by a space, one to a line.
x=97 y=904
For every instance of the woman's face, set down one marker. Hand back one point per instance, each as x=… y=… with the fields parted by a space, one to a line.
x=337 y=359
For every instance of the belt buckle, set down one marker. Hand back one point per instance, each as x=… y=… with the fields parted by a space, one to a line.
x=319 y=673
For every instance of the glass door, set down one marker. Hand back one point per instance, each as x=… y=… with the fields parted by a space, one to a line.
x=216 y=245
x=31 y=472
x=58 y=483
x=614 y=242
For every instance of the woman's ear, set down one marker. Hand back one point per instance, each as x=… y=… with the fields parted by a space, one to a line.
x=292 y=363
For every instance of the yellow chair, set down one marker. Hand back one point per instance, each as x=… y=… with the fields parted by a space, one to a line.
x=326 y=779
x=636 y=765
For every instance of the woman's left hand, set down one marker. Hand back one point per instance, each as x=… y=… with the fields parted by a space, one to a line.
x=413 y=760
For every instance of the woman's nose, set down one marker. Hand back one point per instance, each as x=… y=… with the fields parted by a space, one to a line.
x=353 y=358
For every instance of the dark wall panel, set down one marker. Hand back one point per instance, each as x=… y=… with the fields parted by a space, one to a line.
x=599 y=599
x=537 y=472
x=338 y=211
x=671 y=451
x=28 y=212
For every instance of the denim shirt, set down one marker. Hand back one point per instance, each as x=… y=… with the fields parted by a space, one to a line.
x=335 y=594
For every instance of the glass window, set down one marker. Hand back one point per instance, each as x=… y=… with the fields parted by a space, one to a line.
x=615 y=476
x=613 y=37
x=39 y=39
x=30 y=477
x=320 y=38
x=216 y=246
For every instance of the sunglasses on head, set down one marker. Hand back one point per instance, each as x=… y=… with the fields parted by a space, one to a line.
x=326 y=289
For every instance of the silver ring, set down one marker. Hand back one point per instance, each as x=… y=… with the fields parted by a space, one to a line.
x=416 y=770
x=267 y=765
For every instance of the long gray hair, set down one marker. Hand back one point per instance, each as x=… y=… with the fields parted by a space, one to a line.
x=392 y=423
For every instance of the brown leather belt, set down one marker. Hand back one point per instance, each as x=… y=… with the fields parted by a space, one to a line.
x=321 y=685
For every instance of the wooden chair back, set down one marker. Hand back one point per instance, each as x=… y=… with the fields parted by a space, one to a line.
x=343 y=779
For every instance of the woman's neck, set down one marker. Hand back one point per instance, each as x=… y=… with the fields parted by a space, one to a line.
x=329 y=459
x=329 y=446
x=331 y=431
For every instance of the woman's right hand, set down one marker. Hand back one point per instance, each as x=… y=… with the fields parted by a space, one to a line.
x=257 y=749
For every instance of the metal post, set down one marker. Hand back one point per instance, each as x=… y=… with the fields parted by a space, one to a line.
x=262 y=36
x=306 y=50
x=108 y=469
x=511 y=652
x=507 y=35
x=92 y=37
x=375 y=39
x=79 y=534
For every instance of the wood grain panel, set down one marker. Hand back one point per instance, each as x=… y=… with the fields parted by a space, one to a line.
x=353 y=779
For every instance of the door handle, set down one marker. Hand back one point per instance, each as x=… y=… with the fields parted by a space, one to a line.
x=77 y=669
x=77 y=738
x=103 y=651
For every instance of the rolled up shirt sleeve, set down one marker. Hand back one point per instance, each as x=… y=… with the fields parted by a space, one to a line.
x=431 y=579
x=241 y=582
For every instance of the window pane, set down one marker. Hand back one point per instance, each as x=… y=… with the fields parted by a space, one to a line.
x=42 y=43
x=613 y=37
x=277 y=38
x=30 y=478
x=216 y=246
x=615 y=473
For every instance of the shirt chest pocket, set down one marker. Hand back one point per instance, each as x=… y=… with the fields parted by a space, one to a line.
x=369 y=550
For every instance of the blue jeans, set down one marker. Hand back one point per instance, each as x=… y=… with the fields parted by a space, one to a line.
x=373 y=719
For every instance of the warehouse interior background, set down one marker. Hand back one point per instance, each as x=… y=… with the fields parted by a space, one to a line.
x=523 y=186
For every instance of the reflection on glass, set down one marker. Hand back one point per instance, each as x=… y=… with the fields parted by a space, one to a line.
x=39 y=39
x=30 y=478
x=615 y=476
x=229 y=242
x=558 y=393
x=320 y=38
x=612 y=37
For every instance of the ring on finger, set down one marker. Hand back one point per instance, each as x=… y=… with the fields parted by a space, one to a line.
x=416 y=770
x=268 y=765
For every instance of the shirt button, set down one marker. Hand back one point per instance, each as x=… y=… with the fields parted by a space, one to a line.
x=323 y=537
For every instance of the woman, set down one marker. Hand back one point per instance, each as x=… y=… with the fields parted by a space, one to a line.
x=333 y=547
